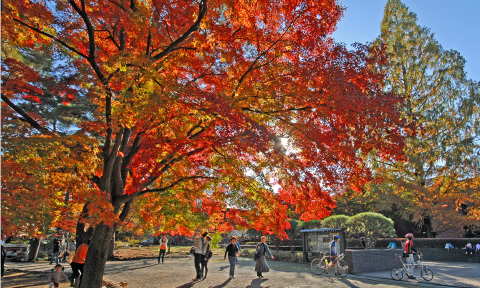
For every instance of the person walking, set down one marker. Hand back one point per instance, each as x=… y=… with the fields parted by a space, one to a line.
x=198 y=242
x=261 y=263
x=232 y=251
x=163 y=249
x=207 y=255
x=56 y=252
x=77 y=264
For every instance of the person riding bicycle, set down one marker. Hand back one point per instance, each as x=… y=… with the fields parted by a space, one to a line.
x=409 y=253
x=333 y=253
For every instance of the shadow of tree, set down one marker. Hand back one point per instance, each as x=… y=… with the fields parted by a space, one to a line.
x=17 y=279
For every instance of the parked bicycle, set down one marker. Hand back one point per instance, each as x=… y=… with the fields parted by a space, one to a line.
x=325 y=263
x=408 y=268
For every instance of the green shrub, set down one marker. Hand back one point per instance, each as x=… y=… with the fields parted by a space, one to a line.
x=431 y=242
x=286 y=256
x=216 y=238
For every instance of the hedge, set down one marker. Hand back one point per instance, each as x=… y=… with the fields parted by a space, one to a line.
x=426 y=242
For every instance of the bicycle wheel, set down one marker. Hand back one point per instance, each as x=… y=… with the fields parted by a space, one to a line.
x=318 y=266
x=396 y=274
x=426 y=273
x=342 y=268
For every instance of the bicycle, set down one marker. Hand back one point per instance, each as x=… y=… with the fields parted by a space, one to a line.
x=425 y=272
x=321 y=265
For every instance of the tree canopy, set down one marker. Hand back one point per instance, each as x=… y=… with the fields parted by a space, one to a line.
x=209 y=105
x=437 y=186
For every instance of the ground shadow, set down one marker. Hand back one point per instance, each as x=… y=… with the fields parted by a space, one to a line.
x=18 y=279
x=223 y=267
x=223 y=284
x=188 y=285
x=257 y=283
x=126 y=267
x=347 y=282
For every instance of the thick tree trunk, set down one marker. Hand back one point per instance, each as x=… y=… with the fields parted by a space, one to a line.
x=97 y=257
x=427 y=227
x=33 y=249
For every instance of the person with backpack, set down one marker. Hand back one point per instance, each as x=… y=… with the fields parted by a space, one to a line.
x=208 y=254
x=261 y=263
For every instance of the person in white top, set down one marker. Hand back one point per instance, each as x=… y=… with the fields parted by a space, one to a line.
x=163 y=249
x=477 y=247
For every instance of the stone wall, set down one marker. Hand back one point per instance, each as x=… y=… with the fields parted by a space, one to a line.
x=366 y=261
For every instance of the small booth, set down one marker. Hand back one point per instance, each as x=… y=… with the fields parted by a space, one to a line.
x=317 y=241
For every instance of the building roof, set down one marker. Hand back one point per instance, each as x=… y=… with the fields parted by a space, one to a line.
x=322 y=230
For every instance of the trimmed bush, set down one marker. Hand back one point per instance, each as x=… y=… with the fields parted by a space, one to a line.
x=286 y=256
x=458 y=243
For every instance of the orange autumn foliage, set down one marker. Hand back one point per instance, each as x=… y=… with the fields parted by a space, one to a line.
x=195 y=98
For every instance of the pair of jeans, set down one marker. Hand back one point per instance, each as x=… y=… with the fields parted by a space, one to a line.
x=77 y=268
x=55 y=257
x=204 y=266
x=161 y=255
x=233 y=261
x=198 y=260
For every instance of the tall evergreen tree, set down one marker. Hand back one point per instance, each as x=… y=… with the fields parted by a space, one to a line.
x=441 y=170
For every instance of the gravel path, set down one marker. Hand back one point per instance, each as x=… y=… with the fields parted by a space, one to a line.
x=179 y=272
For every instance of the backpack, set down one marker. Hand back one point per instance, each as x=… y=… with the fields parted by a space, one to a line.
x=256 y=256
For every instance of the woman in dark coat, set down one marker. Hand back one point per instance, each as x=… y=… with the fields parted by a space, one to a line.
x=261 y=263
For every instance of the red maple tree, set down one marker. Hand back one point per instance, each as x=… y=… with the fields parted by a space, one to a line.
x=215 y=104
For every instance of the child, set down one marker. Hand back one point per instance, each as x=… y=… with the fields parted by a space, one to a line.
x=57 y=276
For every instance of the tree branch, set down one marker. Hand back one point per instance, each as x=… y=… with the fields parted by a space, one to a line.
x=64 y=44
x=27 y=118
x=202 y=7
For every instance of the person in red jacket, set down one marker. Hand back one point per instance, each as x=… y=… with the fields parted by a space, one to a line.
x=78 y=262
x=409 y=254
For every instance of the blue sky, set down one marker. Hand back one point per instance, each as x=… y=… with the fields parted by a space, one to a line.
x=455 y=24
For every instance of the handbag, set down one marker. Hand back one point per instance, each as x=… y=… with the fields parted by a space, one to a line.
x=256 y=256
x=210 y=254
